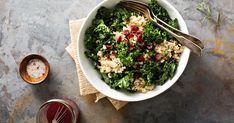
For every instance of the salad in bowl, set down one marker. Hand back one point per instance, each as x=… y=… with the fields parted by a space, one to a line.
x=129 y=53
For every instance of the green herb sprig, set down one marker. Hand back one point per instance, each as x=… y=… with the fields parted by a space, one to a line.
x=204 y=8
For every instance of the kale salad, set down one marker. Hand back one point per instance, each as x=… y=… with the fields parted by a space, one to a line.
x=130 y=52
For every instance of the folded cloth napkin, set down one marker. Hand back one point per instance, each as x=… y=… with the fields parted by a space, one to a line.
x=85 y=87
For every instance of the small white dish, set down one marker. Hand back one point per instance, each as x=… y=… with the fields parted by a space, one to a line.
x=94 y=77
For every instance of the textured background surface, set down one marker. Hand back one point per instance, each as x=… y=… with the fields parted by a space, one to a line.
x=203 y=94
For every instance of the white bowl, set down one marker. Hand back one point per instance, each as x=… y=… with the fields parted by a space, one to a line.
x=95 y=78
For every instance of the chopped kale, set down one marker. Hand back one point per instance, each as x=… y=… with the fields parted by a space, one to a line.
x=125 y=82
x=161 y=13
x=113 y=18
x=128 y=59
x=154 y=33
x=167 y=71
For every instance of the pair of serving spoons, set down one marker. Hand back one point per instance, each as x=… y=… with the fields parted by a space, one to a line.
x=193 y=43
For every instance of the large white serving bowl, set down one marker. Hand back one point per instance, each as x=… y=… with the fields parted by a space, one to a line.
x=94 y=77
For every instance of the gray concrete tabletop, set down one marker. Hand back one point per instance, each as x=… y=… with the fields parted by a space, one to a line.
x=203 y=94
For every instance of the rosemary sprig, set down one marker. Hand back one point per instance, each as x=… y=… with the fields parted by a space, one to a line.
x=205 y=9
x=218 y=22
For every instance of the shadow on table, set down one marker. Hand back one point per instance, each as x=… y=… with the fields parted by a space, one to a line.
x=49 y=89
x=199 y=95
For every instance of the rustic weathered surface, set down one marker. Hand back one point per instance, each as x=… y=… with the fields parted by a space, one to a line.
x=203 y=94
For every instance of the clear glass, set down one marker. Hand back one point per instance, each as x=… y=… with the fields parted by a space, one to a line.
x=66 y=110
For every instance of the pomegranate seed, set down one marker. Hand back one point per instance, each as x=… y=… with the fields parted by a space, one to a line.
x=139 y=38
x=150 y=46
x=140 y=58
x=114 y=53
x=141 y=44
x=134 y=28
x=119 y=39
x=108 y=46
x=108 y=56
x=130 y=48
x=126 y=32
x=126 y=40
x=139 y=32
x=158 y=56
x=131 y=35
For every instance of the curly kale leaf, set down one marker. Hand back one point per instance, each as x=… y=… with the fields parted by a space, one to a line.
x=101 y=33
x=120 y=15
x=162 y=13
x=113 y=18
x=118 y=81
x=158 y=73
x=150 y=71
x=167 y=71
x=90 y=40
x=125 y=82
x=174 y=23
x=128 y=59
x=90 y=44
x=154 y=33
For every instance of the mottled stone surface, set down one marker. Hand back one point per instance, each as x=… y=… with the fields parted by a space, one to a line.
x=203 y=94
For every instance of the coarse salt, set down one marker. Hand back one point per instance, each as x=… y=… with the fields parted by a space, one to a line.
x=36 y=68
